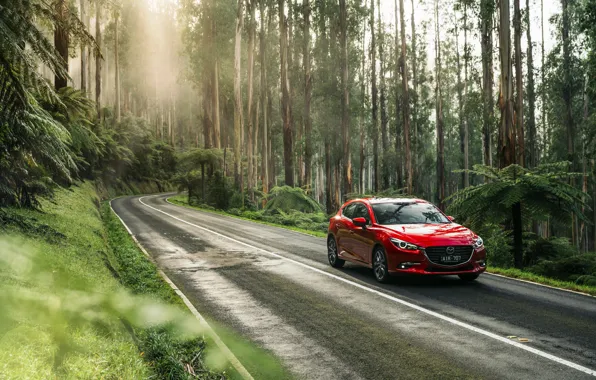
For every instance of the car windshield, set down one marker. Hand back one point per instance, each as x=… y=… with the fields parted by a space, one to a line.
x=408 y=213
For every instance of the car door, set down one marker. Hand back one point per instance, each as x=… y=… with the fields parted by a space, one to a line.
x=362 y=238
x=345 y=231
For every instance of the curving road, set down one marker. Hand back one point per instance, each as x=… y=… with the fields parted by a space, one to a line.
x=275 y=287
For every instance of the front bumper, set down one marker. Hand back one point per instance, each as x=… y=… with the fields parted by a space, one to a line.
x=419 y=264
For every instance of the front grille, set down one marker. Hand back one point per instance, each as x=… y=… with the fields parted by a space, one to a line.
x=440 y=255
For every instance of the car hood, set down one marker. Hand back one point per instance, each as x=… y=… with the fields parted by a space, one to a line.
x=427 y=235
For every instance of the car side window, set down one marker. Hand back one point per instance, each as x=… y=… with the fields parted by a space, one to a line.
x=348 y=211
x=361 y=211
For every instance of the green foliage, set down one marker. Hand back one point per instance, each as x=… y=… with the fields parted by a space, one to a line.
x=570 y=268
x=286 y=199
x=62 y=312
x=543 y=192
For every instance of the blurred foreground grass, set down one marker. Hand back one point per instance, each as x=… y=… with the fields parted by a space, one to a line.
x=64 y=312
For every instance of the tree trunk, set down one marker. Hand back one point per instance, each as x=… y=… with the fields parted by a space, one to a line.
x=460 y=103
x=251 y=111
x=543 y=80
x=399 y=151
x=264 y=102
x=308 y=149
x=519 y=109
x=328 y=177
x=216 y=126
x=465 y=102
x=414 y=64
x=61 y=41
x=117 y=70
x=345 y=100
x=375 y=118
x=285 y=100
x=362 y=108
x=405 y=100
x=238 y=117
x=506 y=140
x=531 y=154
x=567 y=95
x=383 y=101
x=439 y=112
x=83 y=50
x=98 y=59
x=487 y=11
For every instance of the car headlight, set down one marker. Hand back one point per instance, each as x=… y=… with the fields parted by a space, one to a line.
x=404 y=245
x=478 y=243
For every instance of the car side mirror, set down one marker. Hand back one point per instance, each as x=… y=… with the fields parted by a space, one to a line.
x=451 y=218
x=360 y=222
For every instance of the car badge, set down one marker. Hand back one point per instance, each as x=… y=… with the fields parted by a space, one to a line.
x=450 y=250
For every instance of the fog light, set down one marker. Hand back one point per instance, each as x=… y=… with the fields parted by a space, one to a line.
x=481 y=263
x=407 y=265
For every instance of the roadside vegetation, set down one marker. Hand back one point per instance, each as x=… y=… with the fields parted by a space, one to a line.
x=79 y=300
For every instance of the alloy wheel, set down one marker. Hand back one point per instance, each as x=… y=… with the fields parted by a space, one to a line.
x=380 y=265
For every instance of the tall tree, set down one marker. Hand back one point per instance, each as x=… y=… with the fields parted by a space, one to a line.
x=308 y=148
x=251 y=104
x=465 y=102
x=486 y=30
x=531 y=154
x=285 y=96
x=98 y=58
x=405 y=100
x=567 y=83
x=519 y=84
x=415 y=94
x=83 y=10
x=61 y=40
x=383 y=99
x=238 y=104
x=117 y=66
x=507 y=154
x=375 y=117
x=439 y=113
x=265 y=137
x=345 y=100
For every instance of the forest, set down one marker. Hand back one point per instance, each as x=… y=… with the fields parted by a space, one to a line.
x=485 y=108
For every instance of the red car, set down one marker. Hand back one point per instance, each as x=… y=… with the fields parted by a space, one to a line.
x=403 y=236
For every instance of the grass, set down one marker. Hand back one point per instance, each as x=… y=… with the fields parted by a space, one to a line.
x=62 y=249
x=181 y=200
x=529 y=276
x=508 y=272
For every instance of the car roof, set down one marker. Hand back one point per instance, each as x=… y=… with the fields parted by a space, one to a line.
x=391 y=200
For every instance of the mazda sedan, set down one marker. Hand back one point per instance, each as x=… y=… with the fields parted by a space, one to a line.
x=403 y=236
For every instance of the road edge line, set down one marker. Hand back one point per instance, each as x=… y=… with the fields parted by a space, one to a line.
x=232 y=359
x=421 y=309
x=539 y=284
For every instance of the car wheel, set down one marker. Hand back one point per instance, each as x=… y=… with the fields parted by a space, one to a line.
x=380 y=268
x=468 y=277
x=332 y=254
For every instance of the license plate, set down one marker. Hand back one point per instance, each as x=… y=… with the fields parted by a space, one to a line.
x=451 y=259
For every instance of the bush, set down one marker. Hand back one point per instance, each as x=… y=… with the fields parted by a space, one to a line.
x=567 y=269
x=285 y=199
x=553 y=248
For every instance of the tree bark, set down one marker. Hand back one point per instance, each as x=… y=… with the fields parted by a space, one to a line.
x=506 y=138
x=345 y=100
x=465 y=102
x=285 y=97
x=531 y=154
x=238 y=117
x=405 y=100
x=251 y=111
x=487 y=11
x=375 y=117
x=61 y=41
x=264 y=102
x=519 y=109
x=439 y=112
x=98 y=58
x=117 y=69
x=414 y=64
x=383 y=101
x=307 y=97
x=83 y=50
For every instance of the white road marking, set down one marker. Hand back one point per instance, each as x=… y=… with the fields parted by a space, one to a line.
x=212 y=334
x=453 y=321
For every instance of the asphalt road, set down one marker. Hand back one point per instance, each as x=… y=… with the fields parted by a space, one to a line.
x=274 y=287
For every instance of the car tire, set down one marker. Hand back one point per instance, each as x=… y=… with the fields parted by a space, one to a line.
x=333 y=255
x=380 y=267
x=468 y=277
